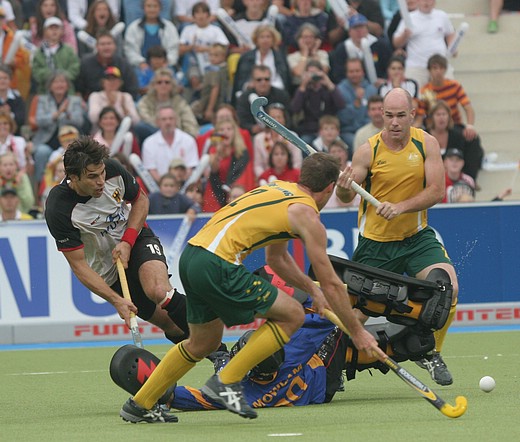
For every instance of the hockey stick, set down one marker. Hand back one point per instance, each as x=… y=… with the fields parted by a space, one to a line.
x=461 y=403
x=341 y=10
x=134 y=327
x=178 y=241
x=369 y=60
x=454 y=45
x=405 y=14
x=123 y=128
x=15 y=44
x=148 y=180
x=258 y=111
x=197 y=172
x=231 y=26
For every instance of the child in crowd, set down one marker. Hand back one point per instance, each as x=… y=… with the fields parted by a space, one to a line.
x=179 y=170
x=54 y=55
x=195 y=43
x=10 y=206
x=194 y=192
x=12 y=178
x=12 y=143
x=156 y=57
x=329 y=130
x=264 y=141
x=453 y=164
x=168 y=200
x=215 y=85
x=148 y=31
x=280 y=166
x=339 y=149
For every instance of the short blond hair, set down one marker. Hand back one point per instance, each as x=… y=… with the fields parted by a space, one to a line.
x=277 y=38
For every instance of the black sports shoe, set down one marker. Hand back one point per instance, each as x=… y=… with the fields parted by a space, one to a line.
x=341 y=386
x=219 y=359
x=131 y=412
x=228 y=395
x=437 y=368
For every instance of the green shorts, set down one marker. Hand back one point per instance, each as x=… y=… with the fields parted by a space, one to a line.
x=216 y=288
x=409 y=256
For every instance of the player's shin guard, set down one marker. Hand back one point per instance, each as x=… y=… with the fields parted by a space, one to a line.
x=175 y=364
x=262 y=343
x=398 y=341
x=423 y=304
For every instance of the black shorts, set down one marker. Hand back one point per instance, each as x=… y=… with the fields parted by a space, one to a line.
x=147 y=247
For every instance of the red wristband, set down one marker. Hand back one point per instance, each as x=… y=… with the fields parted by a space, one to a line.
x=130 y=236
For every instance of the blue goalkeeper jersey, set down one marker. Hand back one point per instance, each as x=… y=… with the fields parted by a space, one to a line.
x=301 y=379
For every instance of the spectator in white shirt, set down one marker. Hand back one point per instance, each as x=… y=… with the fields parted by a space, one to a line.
x=160 y=148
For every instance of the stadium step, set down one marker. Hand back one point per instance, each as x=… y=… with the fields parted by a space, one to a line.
x=488 y=66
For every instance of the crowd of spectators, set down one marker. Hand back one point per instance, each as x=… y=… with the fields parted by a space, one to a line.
x=179 y=79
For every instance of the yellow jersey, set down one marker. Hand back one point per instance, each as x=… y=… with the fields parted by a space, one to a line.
x=394 y=176
x=256 y=219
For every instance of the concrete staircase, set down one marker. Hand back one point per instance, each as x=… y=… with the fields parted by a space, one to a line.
x=488 y=66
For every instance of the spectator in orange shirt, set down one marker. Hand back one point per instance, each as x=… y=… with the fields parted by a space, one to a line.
x=452 y=92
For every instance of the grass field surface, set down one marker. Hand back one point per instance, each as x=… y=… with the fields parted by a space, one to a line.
x=67 y=395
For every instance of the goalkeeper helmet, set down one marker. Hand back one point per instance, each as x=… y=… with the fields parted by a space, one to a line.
x=266 y=370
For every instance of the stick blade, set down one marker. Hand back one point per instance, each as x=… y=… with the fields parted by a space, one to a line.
x=257 y=104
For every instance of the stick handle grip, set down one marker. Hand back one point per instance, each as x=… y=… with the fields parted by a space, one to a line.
x=364 y=194
x=124 y=286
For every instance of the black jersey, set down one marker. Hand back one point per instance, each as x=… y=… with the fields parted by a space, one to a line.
x=95 y=224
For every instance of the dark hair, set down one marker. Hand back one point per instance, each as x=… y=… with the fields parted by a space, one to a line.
x=169 y=176
x=318 y=171
x=200 y=7
x=397 y=58
x=355 y=60
x=40 y=20
x=375 y=99
x=92 y=27
x=83 y=152
x=107 y=110
x=437 y=59
x=284 y=146
x=156 y=51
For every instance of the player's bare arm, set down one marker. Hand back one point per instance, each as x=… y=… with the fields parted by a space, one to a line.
x=356 y=172
x=92 y=281
x=314 y=235
x=283 y=264
x=136 y=221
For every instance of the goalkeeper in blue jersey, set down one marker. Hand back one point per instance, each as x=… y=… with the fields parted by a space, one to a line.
x=307 y=370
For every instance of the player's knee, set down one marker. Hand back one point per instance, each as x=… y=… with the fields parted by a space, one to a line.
x=296 y=316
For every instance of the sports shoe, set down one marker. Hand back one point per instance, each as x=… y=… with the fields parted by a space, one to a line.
x=230 y=396
x=437 y=368
x=131 y=412
x=219 y=359
x=341 y=386
x=492 y=27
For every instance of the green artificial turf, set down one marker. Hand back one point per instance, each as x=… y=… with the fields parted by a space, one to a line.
x=67 y=395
